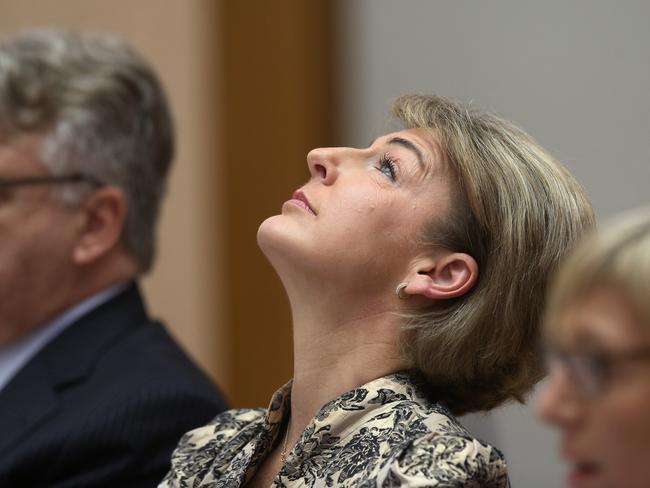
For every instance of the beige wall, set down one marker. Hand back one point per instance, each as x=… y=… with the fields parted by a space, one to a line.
x=178 y=37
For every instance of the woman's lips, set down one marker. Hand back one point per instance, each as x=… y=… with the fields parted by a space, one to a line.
x=300 y=199
x=583 y=474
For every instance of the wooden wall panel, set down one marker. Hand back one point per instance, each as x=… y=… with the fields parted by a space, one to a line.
x=277 y=103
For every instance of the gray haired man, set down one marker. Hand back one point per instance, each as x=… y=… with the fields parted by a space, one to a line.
x=92 y=391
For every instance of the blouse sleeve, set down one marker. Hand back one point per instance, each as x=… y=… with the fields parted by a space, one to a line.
x=199 y=449
x=445 y=460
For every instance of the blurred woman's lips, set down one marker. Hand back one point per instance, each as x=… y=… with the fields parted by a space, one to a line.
x=300 y=199
x=583 y=474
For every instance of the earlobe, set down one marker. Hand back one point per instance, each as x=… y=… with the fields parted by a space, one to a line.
x=449 y=276
x=100 y=229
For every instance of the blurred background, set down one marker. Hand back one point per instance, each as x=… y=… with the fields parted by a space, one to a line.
x=254 y=85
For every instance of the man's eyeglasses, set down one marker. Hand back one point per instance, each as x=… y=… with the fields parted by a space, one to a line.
x=591 y=372
x=51 y=179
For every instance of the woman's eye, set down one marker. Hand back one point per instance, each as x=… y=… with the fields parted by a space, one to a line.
x=600 y=363
x=387 y=166
x=5 y=194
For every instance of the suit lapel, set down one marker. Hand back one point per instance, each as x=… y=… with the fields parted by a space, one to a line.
x=31 y=396
x=23 y=405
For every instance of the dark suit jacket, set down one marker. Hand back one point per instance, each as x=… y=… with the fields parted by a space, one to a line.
x=103 y=404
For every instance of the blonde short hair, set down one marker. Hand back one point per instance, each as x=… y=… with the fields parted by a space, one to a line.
x=517 y=212
x=618 y=256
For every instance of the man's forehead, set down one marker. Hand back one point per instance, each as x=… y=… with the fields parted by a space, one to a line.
x=21 y=153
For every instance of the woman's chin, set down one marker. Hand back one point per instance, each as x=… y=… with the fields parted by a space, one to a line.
x=270 y=232
x=276 y=239
x=289 y=249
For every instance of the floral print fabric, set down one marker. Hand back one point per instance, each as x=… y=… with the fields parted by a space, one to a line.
x=382 y=434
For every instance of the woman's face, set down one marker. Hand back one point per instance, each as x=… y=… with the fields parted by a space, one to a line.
x=360 y=217
x=602 y=406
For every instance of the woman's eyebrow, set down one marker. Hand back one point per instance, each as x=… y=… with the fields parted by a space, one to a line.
x=411 y=147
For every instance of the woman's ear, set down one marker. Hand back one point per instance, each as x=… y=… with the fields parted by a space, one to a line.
x=448 y=275
x=102 y=221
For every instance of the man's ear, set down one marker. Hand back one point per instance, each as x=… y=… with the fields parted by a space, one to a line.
x=101 y=224
x=448 y=275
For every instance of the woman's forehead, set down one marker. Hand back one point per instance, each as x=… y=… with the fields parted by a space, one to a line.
x=602 y=317
x=427 y=139
x=424 y=143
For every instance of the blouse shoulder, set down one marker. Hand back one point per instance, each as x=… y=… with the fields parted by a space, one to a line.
x=451 y=459
x=197 y=450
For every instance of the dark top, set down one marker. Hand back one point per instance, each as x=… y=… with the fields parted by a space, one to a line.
x=103 y=404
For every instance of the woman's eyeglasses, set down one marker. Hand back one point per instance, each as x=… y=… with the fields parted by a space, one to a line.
x=51 y=179
x=591 y=372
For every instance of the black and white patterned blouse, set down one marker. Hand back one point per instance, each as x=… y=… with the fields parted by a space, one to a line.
x=384 y=433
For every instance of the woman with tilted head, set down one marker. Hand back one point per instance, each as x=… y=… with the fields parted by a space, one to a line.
x=415 y=269
x=598 y=335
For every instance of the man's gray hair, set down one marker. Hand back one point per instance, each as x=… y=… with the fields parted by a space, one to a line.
x=101 y=111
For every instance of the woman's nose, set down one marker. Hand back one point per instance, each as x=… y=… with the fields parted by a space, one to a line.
x=559 y=403
x=324 y=164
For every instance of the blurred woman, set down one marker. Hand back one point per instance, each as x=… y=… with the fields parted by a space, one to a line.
x=598 y=329
x=415 y=269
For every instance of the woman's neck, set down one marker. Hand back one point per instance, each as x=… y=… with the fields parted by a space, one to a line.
x=335 y=352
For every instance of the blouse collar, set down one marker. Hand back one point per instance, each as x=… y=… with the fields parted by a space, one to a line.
x=339 y=417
